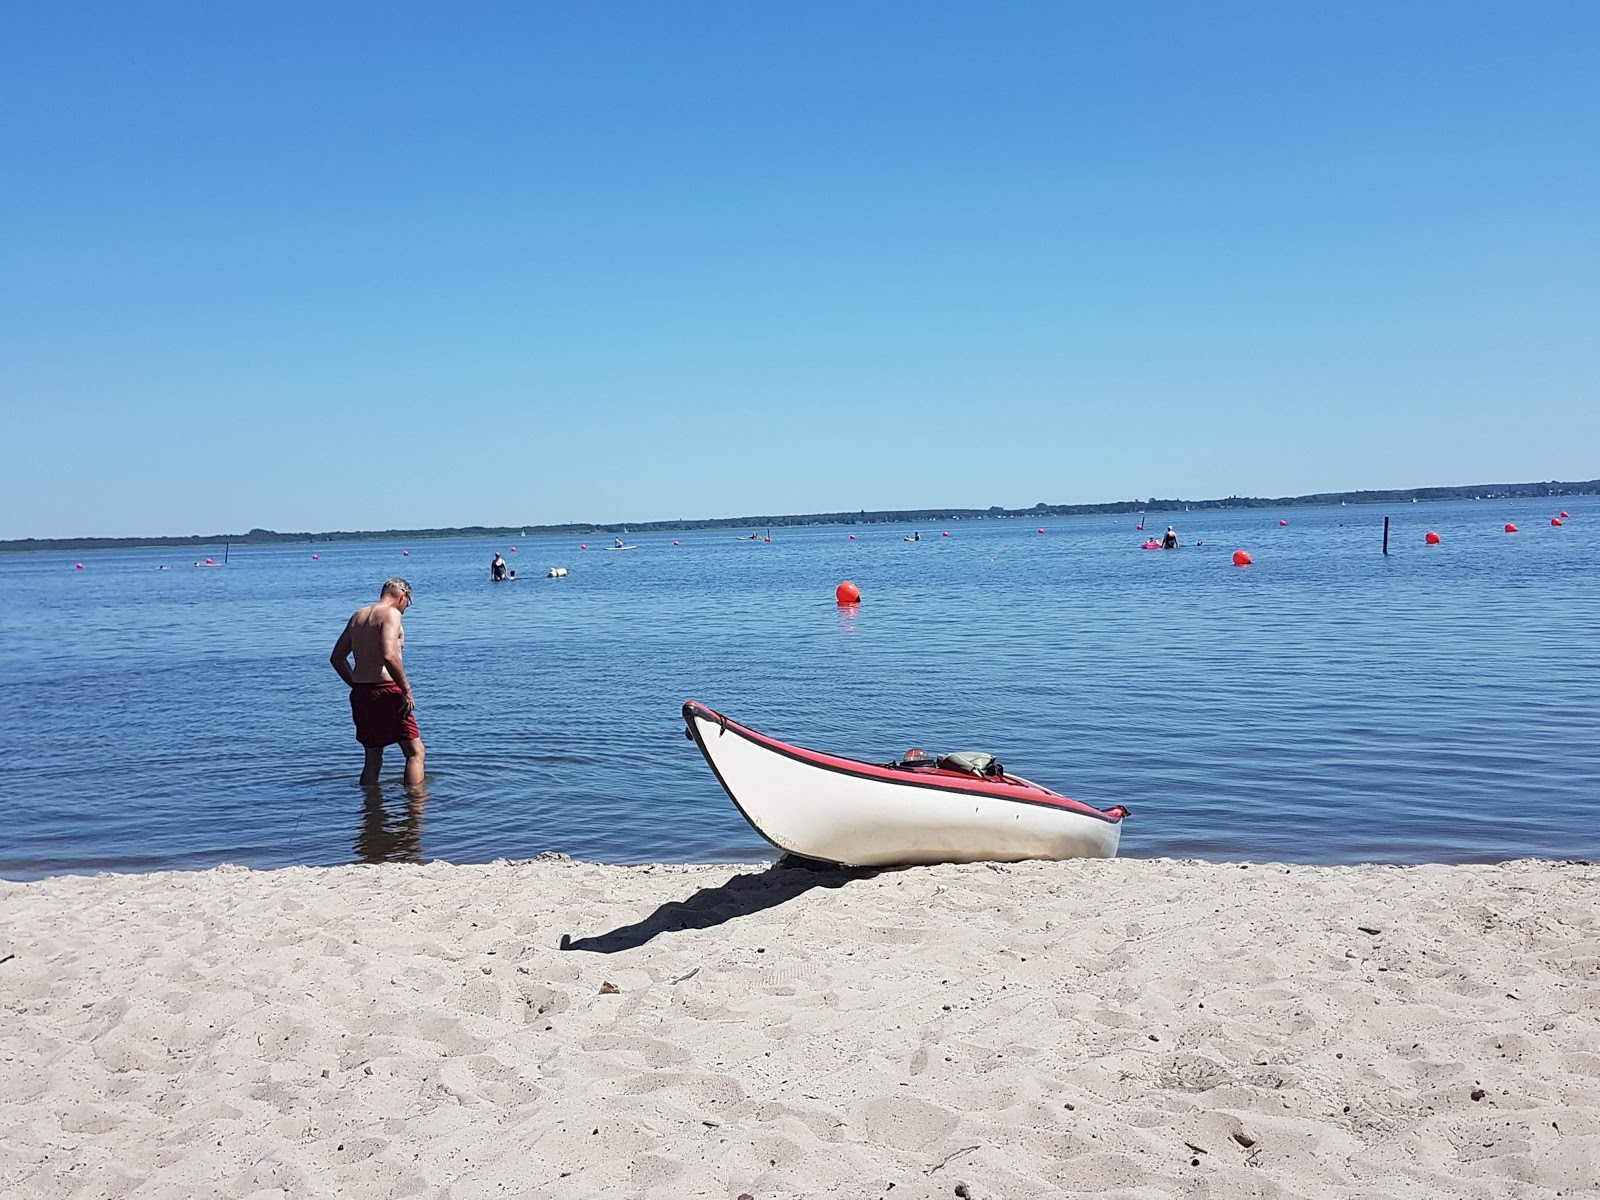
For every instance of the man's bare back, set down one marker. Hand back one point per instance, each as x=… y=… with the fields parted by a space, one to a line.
x=380 y=693
x=375 y=634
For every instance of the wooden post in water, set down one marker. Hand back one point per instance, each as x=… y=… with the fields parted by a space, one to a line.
x=1386 y=535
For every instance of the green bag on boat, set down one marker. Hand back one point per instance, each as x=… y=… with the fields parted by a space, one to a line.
x=972 y=762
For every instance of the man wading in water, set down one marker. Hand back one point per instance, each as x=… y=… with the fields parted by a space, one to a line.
x=380 y=694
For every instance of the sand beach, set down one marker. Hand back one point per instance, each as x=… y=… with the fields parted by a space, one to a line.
x=1122 y=1029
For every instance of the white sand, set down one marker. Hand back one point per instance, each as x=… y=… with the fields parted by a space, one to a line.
x=1116 y=1028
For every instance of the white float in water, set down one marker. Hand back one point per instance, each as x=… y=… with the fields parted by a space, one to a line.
x=557 y=573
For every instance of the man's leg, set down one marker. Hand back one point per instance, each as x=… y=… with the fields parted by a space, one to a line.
x=414 y=752
x=374 y=764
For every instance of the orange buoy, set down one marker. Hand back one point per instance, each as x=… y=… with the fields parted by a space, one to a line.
x=1510 y=528
x=1283 y=522
x=1555 y=520
x=847 y=593
x=1431 y=538
x=1241 y=558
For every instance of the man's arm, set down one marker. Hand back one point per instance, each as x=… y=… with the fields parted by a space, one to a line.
x=391 y=657
x=340 y=658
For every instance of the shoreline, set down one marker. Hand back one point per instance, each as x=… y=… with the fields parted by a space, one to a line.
x=772 y=860
x=1123 y=1027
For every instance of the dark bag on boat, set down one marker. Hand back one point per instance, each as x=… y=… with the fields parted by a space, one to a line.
x=971 y=762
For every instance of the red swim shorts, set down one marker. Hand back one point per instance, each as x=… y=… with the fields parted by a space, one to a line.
x=379 y=711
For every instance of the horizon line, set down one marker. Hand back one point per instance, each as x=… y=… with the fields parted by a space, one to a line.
x=863 y=516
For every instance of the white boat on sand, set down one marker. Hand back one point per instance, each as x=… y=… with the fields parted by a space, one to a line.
x=918 y=810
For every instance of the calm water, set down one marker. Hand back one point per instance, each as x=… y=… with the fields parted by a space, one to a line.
x=1325 y=705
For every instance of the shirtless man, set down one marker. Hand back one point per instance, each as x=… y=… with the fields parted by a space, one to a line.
x=380 y=694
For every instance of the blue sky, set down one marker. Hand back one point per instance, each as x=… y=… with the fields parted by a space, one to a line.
x=315 y=266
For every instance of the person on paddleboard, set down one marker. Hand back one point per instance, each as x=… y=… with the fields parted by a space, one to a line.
x=1169 y=540
x=380 y=694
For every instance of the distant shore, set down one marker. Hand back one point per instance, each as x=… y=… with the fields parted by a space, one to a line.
x=270 y=537
x=1123 y=1028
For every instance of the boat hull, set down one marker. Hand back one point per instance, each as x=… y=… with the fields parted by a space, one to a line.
x=858 y=814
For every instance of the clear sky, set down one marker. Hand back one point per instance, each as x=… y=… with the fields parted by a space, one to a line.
x=340 y=265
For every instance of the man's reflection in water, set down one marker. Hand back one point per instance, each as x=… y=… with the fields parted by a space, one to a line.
x=387 y=836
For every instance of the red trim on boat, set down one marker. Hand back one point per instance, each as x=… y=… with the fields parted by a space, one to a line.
x=1008 y=787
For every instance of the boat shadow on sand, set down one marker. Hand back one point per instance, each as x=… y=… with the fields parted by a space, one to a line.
x=740 y=896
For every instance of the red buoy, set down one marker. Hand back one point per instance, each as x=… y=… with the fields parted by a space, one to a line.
x=79 y=567
x=1283 y=522
x=847 y=593
x=405 y=553
x=1555 y=520
x=513 y=549
x=1563 y=516
x=315 y=556
x=581 y=546
x=674 y=543
x=947 y=533
x=1241 y=558
x=852 y=537
x=1041 y=530
x=1431 y=538
x=1510 y=528
x=209 y=563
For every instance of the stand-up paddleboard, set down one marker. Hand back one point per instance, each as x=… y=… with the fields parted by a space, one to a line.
x=920 y=810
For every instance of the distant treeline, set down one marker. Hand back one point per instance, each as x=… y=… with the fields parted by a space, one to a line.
x=267 y=537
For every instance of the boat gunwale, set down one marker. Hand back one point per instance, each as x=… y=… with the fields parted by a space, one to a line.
x=860 y=769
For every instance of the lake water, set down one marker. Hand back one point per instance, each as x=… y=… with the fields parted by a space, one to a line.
x=1326 y=704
